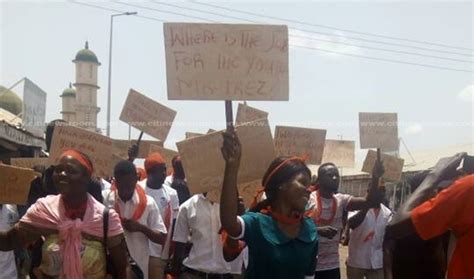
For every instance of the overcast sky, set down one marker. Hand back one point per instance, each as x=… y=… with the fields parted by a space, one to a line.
x=327 y=89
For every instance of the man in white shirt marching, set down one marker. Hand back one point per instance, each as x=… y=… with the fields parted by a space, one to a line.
x=327 y=207
x=8 y=217
x=139 y=213
x=366 y=242
x=168 y=203
x=199 y=223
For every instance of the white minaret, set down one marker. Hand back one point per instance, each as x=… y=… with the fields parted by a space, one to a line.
x=86 y=89
x=69 y=104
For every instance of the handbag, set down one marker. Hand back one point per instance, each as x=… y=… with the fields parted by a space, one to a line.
x=136 y=270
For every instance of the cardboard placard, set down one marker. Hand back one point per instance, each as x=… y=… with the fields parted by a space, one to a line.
x=249 y=190
x=246 y=114
x=226 y=61
x=339 y=152
x=147 y=115
x=15 y=184
x=378 y=130
x=204 y=165
x=295 y=141
x=121 y=147
x=214 y=195
x=166 y=153
x=190 y=135
x=118 y=157
x=393 y=165
x=246 y=190
x=29 y=163
x=97 y=147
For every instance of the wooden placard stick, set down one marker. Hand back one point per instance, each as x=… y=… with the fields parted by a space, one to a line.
x=132 y=154
x=229 y=116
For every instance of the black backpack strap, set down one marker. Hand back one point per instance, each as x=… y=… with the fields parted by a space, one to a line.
x=105 y=220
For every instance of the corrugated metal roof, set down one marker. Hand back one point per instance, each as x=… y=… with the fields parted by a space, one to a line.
x=423 y=159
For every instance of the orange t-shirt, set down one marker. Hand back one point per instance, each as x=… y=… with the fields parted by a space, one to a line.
x=452 y=208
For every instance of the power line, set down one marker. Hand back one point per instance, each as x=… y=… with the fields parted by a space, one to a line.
x=304 y=47
x=385 y=59
x=408 y=150
x=315 y=39
x=113 y=10
x=207 y=12
x=387 y=50
x=94 y=6
x=165 y=11
x=324 y=50
x=330 y=27
x=357 y=38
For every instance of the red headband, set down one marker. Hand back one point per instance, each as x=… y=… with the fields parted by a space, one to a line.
x=265 y=182
x=259 y=193
x=80 y=158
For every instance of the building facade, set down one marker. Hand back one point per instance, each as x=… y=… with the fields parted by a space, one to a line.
x=80 y=103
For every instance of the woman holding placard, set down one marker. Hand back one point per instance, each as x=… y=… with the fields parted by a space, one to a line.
x=72 y=225
x=282 y=242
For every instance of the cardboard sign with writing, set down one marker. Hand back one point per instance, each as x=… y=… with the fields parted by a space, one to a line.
x=166 y=153
x=15 y=184
x=246 y=190
x=378 y=130
x=393 y=165
x=190 y=135
x=121 y=147
x=226 y=61
x=97 y=147
x=339 y=152
x=295 y=141
x=147 y=115
x=248 y=114
x=204 y=165
x=29 y=163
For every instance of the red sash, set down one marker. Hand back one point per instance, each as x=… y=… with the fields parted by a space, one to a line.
x=142 y=201
x=316 y=214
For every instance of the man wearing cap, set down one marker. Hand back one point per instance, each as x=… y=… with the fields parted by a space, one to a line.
x=167 y=200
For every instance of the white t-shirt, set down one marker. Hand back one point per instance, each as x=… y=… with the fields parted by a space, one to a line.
x=200 y=219
x=168 y=180
x=8 y=217
x=105 y=184
x=138 y=244
x=164 y=197
x=328 y=254
x=366 y=241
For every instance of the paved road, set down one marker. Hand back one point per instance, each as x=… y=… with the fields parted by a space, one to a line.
x=343 y=253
